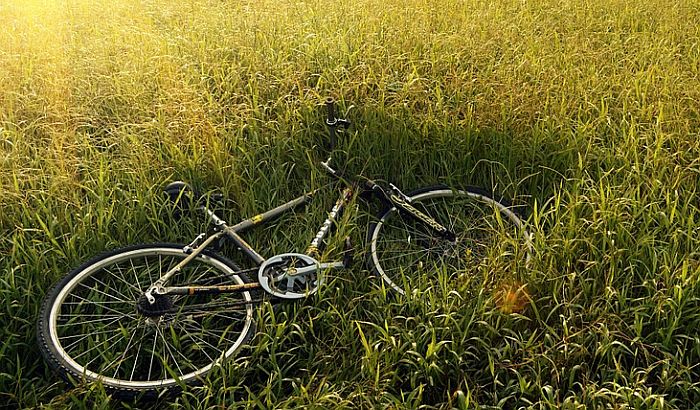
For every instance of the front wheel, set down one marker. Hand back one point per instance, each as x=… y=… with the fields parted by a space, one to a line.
x=407 y=254
x=96 y=324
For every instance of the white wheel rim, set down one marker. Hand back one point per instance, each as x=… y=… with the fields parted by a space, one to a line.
x=444 y=192
x=53 y=332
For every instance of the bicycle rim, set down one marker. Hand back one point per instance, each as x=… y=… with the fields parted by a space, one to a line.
x=97 y=333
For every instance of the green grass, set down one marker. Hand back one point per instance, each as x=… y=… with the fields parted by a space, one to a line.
x=587 y=111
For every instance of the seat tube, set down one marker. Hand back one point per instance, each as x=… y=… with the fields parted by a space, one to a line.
x=314 y=248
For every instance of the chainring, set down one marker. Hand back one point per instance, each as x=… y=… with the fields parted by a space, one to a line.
x=280 y=276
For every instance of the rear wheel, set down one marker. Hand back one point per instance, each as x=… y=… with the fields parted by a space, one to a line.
x=407 y=253
x=96 y=325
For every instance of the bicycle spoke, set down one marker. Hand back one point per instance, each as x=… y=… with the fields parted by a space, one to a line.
x=216 y=334
x=111 y=288
x=103 y=317
x=219 y=351
x=102 y=293
x=120 y=359
x=92 y=302
x=109 y=309
x=66 y=348
x=405 y=254
x=160 y=262
x=133 y=269
x=136 y=359
x=130 y=286
x=86 y=335
x=124 y=355
x=167 y=347
x=212 y=314
x=148 y=269
x=153 y=353
x=96 y=346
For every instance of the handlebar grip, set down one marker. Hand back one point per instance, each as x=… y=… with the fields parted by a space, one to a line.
x=330 y=106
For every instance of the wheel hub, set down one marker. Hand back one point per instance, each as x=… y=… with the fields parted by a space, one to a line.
x=163 y=304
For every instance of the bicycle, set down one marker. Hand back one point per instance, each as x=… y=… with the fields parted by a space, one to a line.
x=148 y=318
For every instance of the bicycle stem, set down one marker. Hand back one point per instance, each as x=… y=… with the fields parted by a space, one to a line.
x=332 y=122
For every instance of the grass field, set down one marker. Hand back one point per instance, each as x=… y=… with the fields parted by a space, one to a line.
x=586 y=111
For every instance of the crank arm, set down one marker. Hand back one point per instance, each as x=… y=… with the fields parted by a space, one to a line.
x=314 y=268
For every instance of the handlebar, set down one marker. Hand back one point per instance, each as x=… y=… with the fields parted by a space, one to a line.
x=332 y=122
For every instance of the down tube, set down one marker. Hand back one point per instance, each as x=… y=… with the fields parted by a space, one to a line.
x=314 y=249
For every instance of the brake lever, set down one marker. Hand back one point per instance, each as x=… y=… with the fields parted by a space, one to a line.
x=342 y=121
x=350 y=108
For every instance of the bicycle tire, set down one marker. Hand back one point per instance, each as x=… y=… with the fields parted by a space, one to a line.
x=403 y=250
x=89 y=329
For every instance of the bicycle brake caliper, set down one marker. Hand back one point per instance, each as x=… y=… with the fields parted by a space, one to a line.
x=195 y=243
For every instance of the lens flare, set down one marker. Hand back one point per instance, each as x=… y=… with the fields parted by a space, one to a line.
x=512 y=297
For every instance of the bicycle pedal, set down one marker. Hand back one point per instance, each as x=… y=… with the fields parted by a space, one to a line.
x=348 y=253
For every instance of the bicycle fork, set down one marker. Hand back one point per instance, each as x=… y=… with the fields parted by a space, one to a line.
x=403 y=202
x=434 y=225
